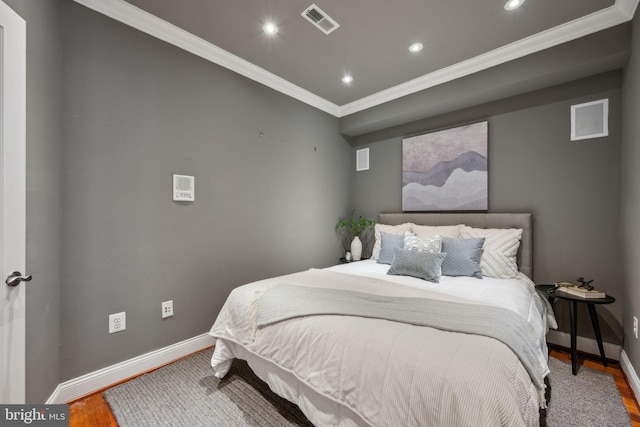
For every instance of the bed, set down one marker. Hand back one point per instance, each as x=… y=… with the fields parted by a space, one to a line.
x=377 y=343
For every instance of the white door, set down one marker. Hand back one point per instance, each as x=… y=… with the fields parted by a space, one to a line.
x=12 y=203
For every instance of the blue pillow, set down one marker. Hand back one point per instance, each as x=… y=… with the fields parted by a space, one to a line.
x=388 y=242
x=463 y=257
x=423 y=265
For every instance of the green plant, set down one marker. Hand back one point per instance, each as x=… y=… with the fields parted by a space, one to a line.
x=355 y=226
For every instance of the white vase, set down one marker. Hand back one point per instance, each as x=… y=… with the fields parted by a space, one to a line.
x=356 y=249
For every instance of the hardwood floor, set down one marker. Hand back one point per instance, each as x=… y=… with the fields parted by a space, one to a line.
x=93 y=410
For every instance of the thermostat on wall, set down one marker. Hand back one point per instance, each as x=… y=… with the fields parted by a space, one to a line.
x=183 y=188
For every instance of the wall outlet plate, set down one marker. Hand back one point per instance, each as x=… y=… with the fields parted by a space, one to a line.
x=167 y=309
x=117 y=322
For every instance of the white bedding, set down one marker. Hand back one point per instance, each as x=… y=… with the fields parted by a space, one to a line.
x=345 y=370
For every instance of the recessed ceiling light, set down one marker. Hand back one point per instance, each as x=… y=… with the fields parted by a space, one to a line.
x=270 y=28
x=347 y=79
x=513 y=4
x=415 y=48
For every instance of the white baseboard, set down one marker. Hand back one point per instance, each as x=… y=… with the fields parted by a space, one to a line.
x=586 y=345
x=94 y=381
x=630 y=372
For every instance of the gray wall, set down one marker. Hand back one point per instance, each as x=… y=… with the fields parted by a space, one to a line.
x=138 y=110
x=44 y=140
x=631 y=196
x=572 y=188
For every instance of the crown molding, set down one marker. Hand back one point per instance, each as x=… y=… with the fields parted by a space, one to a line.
x=622 y=11
x=627 y=8
x=141 y=20
x=614 y=15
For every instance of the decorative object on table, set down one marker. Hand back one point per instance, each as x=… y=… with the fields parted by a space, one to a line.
x=564 y=284
x=348 y=256
x=356 y=248
x=350 y=230
x=585 y=284
x=583 y=290
x=446 y=170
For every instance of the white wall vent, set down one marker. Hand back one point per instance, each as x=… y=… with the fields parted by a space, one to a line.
x=362 y=159
x=320 y=19
x=590 y=120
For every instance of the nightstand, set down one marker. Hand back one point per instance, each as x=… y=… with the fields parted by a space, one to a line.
x=549 y=291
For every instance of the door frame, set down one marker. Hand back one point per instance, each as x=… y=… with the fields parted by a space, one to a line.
x=12 y=204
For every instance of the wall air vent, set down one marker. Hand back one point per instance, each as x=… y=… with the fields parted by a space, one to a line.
x=320 y=19
x=362 y=159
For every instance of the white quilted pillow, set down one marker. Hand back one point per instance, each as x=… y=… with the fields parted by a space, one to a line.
x=499 y=250
x=378 y=229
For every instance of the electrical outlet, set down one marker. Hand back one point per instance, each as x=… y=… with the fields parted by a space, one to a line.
x=167 y=309
x=635 y=327
x=117 y=322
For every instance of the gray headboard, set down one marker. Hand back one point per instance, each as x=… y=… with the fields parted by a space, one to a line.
x=477 y=220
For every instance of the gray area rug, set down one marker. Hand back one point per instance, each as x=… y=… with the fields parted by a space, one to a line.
x=186 y=393
x=590 y=398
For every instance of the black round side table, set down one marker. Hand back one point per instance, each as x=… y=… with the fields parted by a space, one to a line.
x=550 y=291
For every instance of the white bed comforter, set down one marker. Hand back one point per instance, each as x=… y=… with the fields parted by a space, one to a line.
x=391 y=373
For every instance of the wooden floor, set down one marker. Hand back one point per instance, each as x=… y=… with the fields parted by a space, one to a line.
x=93 y=411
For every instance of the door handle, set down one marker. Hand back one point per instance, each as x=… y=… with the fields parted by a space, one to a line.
x=16 y=277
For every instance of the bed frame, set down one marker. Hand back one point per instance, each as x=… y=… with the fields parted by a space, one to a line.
x=477 y=220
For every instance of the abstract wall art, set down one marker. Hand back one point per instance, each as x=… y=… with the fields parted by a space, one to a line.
x=446 y=170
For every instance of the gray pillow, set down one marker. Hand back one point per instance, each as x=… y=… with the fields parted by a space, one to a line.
x=388 y=242
x=463 y=257
x=423 y=265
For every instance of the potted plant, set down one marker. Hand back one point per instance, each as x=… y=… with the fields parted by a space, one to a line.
x=351 y=229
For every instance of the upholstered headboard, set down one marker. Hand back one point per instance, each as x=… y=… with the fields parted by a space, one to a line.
x=477 y=220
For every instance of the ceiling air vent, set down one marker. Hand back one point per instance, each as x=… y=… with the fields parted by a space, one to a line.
x=320 y=19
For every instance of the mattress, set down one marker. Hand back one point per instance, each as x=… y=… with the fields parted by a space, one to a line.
x=350 y=371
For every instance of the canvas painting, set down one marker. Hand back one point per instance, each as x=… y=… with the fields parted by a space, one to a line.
x=446 y=170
